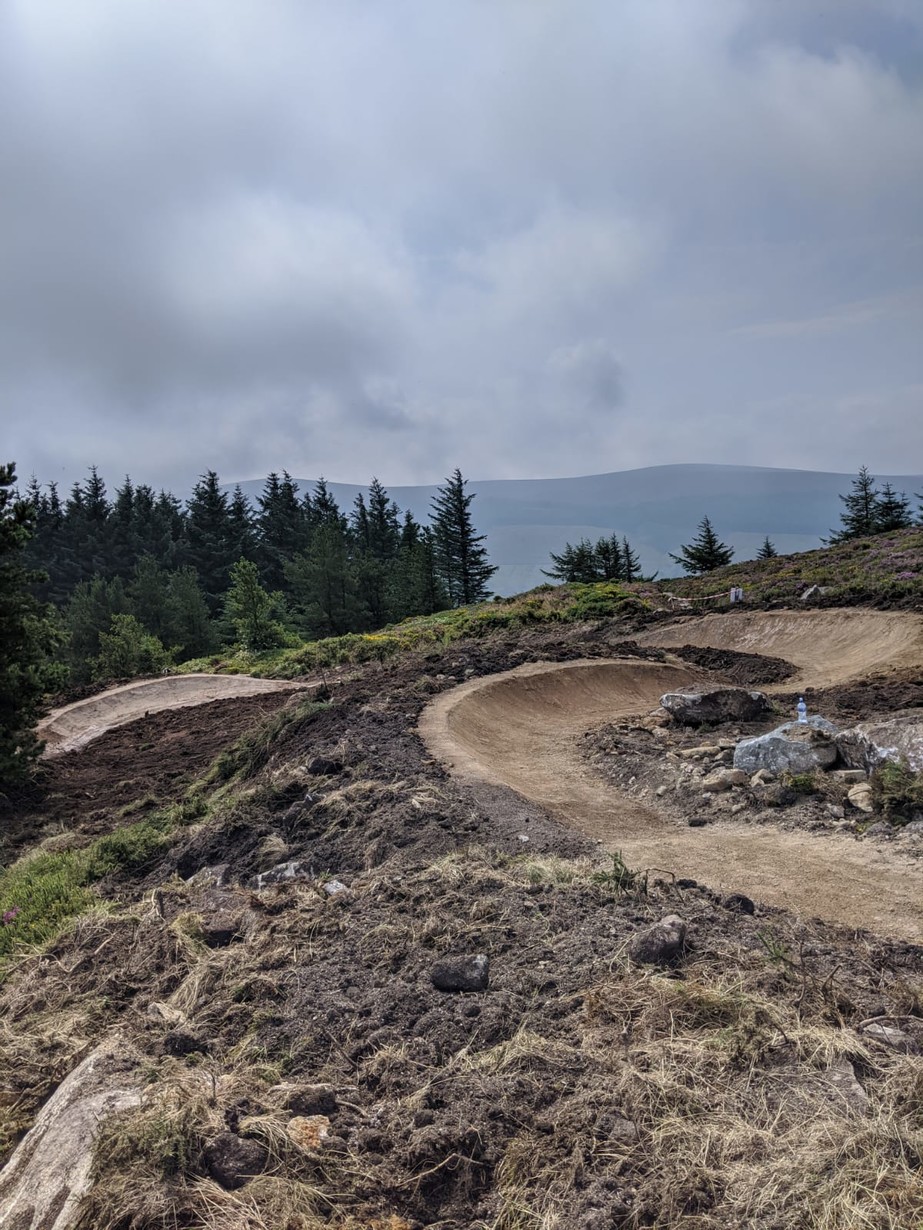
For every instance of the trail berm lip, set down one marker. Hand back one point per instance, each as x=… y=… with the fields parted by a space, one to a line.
x=520 y=729
x=75 y=725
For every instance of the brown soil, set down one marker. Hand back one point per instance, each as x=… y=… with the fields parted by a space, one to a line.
x=142 y=765
x=733 y=1087
x=747 y=670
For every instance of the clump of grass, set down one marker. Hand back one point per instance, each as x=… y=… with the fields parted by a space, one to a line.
x=42 y=892
x=252 y=751
x=621 y=878
x=801 y=783
x=897 y=791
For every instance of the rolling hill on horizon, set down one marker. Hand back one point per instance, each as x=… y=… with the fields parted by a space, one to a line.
x=658 y=508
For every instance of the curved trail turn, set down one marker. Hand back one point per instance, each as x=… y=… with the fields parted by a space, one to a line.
x=828 y=647
x=73 y=726
x=521 y=729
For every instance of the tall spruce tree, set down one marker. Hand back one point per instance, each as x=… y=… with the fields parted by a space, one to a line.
x=460 y=557
x=212 y=539
x=705 y=553
x=892 y=511
x=282 y=524
x=27 y=636
x=767 y=550
x=860 y=517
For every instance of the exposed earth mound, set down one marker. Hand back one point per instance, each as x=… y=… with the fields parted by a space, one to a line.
x=638 y=1047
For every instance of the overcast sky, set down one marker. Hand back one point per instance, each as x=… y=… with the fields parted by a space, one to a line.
x=525 y=237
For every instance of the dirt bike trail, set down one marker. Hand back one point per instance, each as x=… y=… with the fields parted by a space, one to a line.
x=521 y=729
x=75 y=725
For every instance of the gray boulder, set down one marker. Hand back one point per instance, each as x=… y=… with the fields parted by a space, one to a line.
x=796 y=747
x=870 y=744
x=461 y=973
x=659 y=944
x=693 y=708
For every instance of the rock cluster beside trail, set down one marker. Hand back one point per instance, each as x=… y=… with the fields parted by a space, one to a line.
x=870 y=744
x=795 y=747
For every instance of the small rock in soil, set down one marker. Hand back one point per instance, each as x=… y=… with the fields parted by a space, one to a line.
x=659 y=944
x=335 y=888
x=889 y=1036
x=308 y=1100
x=697 y=822
x=281 y=873
x=183 y=1042
x=724 y=780
x=232 y=1161
x=461 y=973
x=323 y=766
x=221 y=928
x=861 y=797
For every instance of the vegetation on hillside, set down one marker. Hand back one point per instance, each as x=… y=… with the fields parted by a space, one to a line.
x=28 y=637
x=142 y=580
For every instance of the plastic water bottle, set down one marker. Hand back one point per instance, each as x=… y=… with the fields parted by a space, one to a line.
x=802 y=710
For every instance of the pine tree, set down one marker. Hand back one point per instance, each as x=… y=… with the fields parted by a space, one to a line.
x=460 y=557
x=607 y=556
x=323 y=585
x=861 y=516
x=705 y=553
x=892 y=511
x=212 y=545
x=282 y=524
x=254 y=613
x=27 y=637
x=631 y=563
x=191 y=628
x=376 y=536
x=242 y=525
x=767 y=550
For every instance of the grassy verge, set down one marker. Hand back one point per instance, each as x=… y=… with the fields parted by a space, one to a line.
x=547 y=604
x=44 y=891
x=882 y=569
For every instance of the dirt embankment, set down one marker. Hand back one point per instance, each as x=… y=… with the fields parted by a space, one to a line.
x=523 y=729
x=75 y=725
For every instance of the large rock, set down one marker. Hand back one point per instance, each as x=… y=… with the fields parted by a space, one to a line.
x=43 y=1183
x=796 y=747
x=659 y=944
x=693 y=708
x=870 y=744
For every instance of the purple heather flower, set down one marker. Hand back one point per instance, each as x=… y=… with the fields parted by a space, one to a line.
x=10 y=915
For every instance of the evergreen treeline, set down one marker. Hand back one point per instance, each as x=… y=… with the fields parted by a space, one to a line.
x=608 y=559
x=142 y=573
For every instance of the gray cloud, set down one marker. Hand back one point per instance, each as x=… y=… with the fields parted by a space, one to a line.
x=527 y=238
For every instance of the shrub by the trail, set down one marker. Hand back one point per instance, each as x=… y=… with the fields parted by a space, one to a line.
x=127 y=650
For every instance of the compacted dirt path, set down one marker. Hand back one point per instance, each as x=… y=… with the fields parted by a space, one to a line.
x=73 y=726
x=521 y=729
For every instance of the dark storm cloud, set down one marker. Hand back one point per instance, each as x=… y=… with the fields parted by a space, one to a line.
x=523 y=238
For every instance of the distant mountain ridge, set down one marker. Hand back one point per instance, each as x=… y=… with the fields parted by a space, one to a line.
x=657 y=508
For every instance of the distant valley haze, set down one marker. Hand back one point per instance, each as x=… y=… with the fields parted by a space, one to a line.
x=657 y=508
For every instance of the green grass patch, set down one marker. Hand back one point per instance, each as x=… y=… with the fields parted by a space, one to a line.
x=41 y=893
x=546 y=604
x=897 y=791
x=252 y=751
